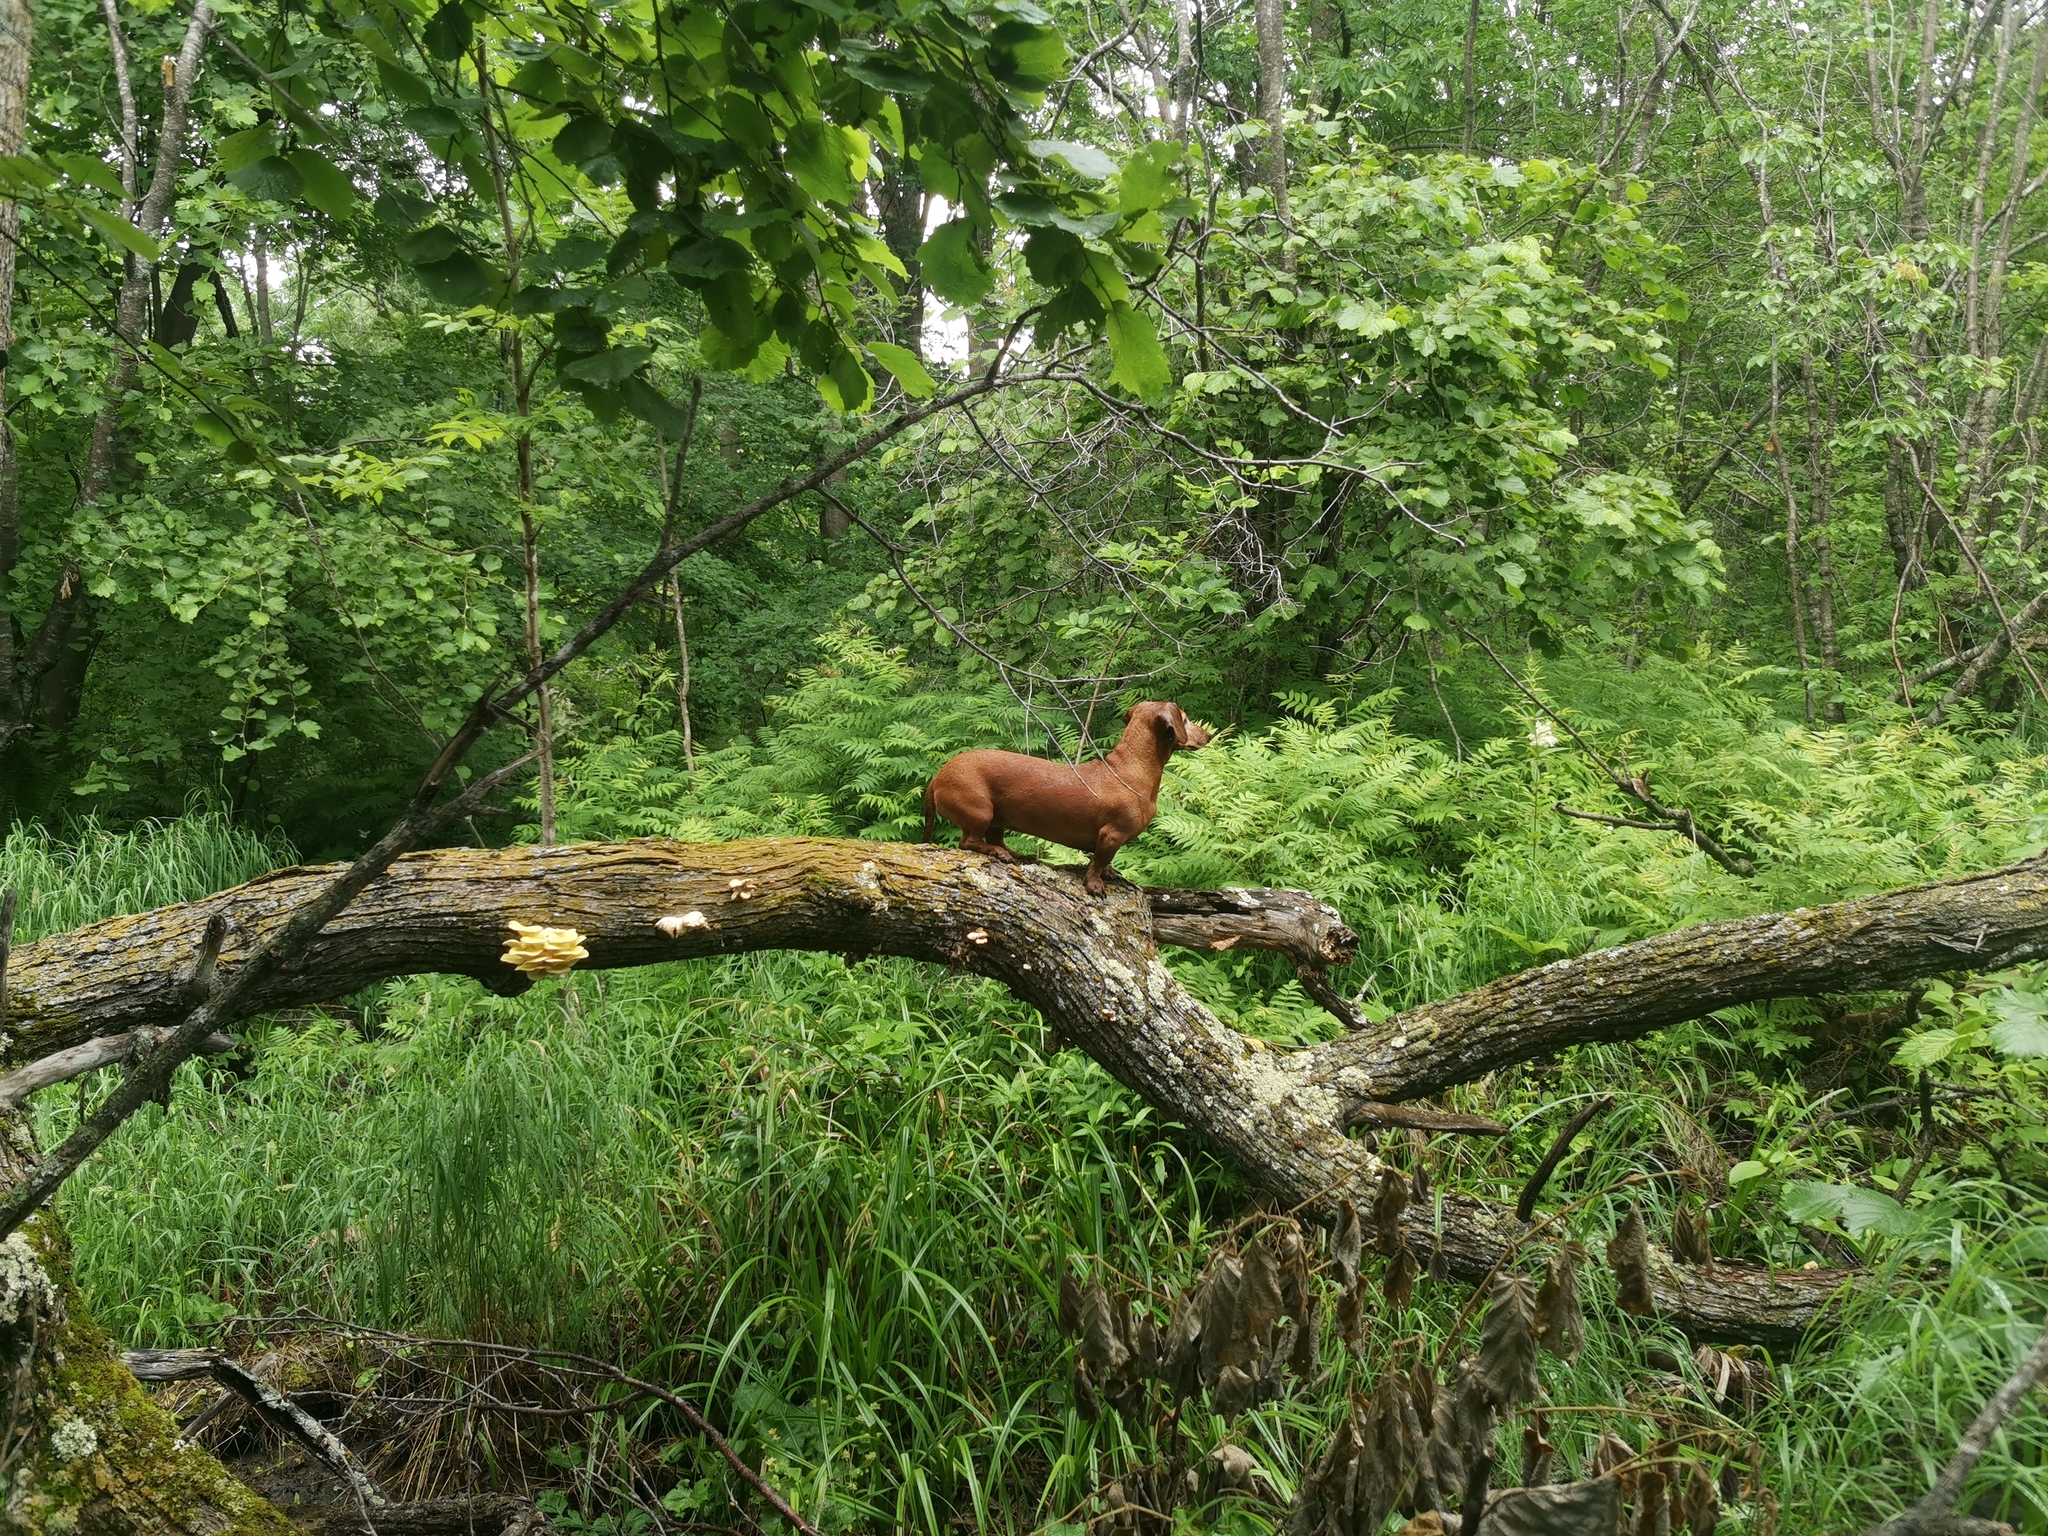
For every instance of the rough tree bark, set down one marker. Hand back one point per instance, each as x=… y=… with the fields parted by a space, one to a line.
x=1270 y=24
x=16 y=33
x=1092 y=970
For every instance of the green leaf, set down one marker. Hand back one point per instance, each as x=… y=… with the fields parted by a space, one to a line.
x=1027 y=55
x=952 y=268
x=433 y=122
x=905 y=368
x=2022 y=1027
x=1858 y=1210
x=437 y=242
x=653 y=407
x=845 y=385
x=25 y=171
x=604 y=404
x=817 y=156
x=885 y=76
x=610 y=366
x=90 y=170
x=1928 y=1048
x=244 y=148
x=729 y=302
x=1140 y=362
x=1043 y=212
x=118 y=232
x=574 y=253
x=327 y=187
x=713 y=256
x=725 y=352
x=449 y=33
x=1745 y=1171
x=459 y=280
x=273 y=178
x=214 y=430
x=403 y=84
x=401 y=209
x=1149 y=177
x=1085 y=158
x=583 y=138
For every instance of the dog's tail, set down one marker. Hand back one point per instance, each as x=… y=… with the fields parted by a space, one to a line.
x=930 y=810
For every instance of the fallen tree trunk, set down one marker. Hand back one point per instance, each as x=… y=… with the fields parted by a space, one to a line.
x=446 y=912
x=1091 y=969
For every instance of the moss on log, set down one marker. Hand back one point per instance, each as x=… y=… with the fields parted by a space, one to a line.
x=86 y=1451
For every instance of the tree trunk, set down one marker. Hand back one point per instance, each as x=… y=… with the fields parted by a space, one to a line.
x=675 y=591
x=1270 y=18
x=901 y=202
x=16 y=32
x=1470 y=85
x=86 y=1451
x=1090 y=967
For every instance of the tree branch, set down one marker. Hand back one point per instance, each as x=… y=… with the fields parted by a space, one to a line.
x=1977 y=923
x=1936 y=1510
x=63 y=1066
x=1977 y=663
x=1090 y=968
x=1636 y=786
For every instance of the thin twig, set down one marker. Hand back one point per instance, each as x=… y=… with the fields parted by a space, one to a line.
x=675 y=484
x=1525 y=1207
x=1636 y=787
x=288 y=1418
x=1936 y=1510
x=104 y=1051
x=1417 y=1117
x=1617 y=821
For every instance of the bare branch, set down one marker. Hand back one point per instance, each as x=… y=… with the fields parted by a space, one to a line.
x=63 y=1066
x=1636 y=786
x=1935 y=1513
x=288 y=1418
x=1532 y=1191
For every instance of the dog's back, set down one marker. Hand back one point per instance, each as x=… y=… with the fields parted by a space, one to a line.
x=987 y=792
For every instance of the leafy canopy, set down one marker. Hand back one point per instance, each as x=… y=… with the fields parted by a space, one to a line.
x=725 y=146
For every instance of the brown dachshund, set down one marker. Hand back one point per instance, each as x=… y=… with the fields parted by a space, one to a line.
x=1095 y=807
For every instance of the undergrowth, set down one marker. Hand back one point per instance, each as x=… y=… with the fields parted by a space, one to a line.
x=836 y=1203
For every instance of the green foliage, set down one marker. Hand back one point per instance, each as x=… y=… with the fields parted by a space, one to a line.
x=1452 y=374
x=832 y=1205
x=1452 y=870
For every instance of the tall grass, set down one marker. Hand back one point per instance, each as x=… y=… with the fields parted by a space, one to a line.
x=88 y=871
x=835 y=1203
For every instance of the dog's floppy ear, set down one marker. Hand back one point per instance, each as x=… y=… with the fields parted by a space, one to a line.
x=1183 y=733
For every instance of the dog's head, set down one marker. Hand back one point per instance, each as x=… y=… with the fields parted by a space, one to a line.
x=1170 y=720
